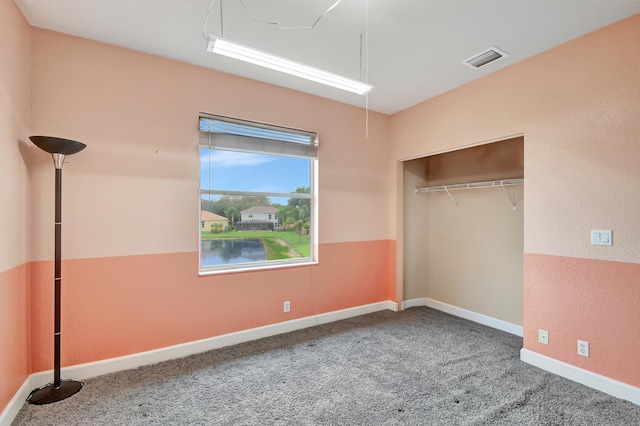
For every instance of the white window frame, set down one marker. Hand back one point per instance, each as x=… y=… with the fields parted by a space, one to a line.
x=238 y=143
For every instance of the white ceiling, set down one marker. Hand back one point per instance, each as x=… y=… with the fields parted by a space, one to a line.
x=416 y=47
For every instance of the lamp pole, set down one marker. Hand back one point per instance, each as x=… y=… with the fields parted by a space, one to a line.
x=58 y=389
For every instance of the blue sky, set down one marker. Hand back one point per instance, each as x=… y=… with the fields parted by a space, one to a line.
x=239 y=171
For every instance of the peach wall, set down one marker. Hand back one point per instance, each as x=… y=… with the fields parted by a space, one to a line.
x=564 y=284
x=15 y=65
x=131 y=211
x=138 y=116
x=15 y=86
x=578 y=111
x=14 y=332
x=130 y=235
x=117 y=306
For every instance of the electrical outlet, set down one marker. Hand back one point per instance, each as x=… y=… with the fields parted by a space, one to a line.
x=543 y=336
x=287 y=306
x=583 y=348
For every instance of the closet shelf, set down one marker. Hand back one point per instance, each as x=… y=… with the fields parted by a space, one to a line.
x=473 y=185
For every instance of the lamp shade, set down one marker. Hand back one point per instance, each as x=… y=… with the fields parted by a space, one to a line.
x=55 y=145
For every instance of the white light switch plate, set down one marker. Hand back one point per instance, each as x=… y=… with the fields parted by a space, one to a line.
x=601 y=237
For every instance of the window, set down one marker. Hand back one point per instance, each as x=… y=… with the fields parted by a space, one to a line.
x=257 y=188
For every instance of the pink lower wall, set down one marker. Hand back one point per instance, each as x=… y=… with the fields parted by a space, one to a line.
x=392 y=285
x=14 y=332
x=584 y=299
x=116 y=306
x=15 y=105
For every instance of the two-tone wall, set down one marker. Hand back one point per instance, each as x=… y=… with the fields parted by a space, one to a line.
x=131 y=204
x=578 y=106
x=15 y=68
x=131 y=210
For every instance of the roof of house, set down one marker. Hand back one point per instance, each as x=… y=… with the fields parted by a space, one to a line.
x=260 y=209
x=205 y=215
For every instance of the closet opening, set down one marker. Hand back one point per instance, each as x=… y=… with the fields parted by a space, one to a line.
x=463 y=232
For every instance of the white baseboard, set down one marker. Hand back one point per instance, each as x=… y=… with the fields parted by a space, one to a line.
x=466 y=314
x=596 y=381
x=127 y=362
x=11 y=411
x=412 y=303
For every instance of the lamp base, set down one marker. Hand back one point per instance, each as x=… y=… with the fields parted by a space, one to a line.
x=49 y=393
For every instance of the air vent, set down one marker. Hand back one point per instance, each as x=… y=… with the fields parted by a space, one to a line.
x=485 y=57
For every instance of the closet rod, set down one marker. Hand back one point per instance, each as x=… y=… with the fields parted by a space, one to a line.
x=500 y=183
x=472 y=185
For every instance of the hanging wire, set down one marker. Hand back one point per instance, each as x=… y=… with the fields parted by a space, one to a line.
x=366 y=66
x=206 y=20
x=282 y=27
x=363 y=77
x=221 y=20
x=209 y=165
x=361 y=53
x=204 y=28
x=364 y=40
x=276 y=23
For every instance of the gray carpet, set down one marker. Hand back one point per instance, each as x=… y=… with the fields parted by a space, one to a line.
x=417 y=367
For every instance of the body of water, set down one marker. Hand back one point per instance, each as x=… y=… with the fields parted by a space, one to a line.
x=223 y=251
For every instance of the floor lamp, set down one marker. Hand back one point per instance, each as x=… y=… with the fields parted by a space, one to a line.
x=58 y=389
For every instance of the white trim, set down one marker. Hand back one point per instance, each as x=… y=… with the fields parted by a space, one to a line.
x=231 y=268
x=458 y=148
x=411 y=303
x=112 y=365
x=596 y=381
x=499 y=324
x=392 y=306
x=16 y=403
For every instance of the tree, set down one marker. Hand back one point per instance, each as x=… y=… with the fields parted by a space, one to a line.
x=207 y=205
x=240 y=202
x=299 y=227
x=230 y=207
x=299 y=202
x=282 y=214
x=296 y=209
x=232 y=214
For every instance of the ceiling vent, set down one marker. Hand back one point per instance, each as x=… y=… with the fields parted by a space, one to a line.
x=485 y=57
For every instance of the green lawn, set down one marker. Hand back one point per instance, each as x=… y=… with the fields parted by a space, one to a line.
x=290 y=237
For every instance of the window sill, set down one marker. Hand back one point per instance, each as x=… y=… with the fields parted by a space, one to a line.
x=256 y=268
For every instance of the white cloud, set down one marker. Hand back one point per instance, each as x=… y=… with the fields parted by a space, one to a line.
x=220 y=159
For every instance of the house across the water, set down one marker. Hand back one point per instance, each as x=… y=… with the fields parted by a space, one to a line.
x=259 y=218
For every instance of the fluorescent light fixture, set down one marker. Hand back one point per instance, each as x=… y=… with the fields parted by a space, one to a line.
x=267 y=60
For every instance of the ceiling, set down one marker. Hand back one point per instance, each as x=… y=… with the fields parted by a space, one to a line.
x=415 y=47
